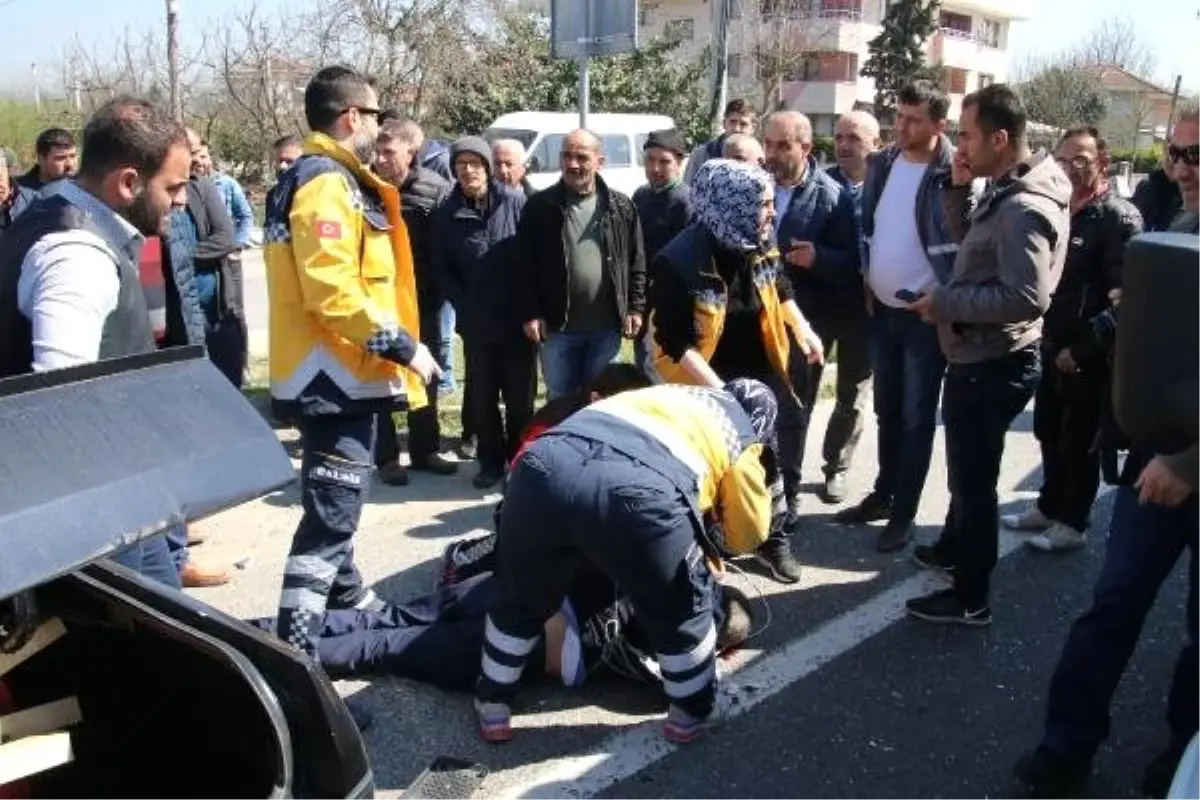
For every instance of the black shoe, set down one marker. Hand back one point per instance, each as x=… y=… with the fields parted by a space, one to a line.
x=466 y=558
x=436 y=463
x=1046 y=773
x=834 y=490
x=1160 y=772
x=467 y=448
x=362 y=716
x=874 y=508
x=487 y=479
x=776 y=556
x=928 y=557
x=893 y=538
x=394 y=474
x=943 y=606
x=793 y=512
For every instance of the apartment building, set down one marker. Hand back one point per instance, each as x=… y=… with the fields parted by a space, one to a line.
x=808 y=52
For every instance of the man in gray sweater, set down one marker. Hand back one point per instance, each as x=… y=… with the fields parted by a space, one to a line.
x=989 y=323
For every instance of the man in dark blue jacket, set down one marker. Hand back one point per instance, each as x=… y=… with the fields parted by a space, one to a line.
x=472 y=248
x=817 y=235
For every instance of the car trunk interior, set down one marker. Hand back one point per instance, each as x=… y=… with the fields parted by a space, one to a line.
x=166 y=711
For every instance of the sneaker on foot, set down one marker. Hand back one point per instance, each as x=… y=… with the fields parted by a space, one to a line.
x=1031 y=519
x=874 y=508
x=1058 y=538
x=943 y=606
x=1046 y=773
x=834 y=490
x=436 y=464
x=1160 y=772
x=895 y=537
x=495 y=721
x=929 y=557
x=369 y=601
x=467 y=448
x=793 y=512
x=466 y=558
x=682 y=728
x=776 y=556
x=394 y=474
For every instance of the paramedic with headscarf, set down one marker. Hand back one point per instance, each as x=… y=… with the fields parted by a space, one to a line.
x=723 y=306
x=625 y=484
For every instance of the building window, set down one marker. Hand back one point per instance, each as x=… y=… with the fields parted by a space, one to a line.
x=989 y=32
x=683 y=28
x=842 y=9
x=791 y=9
x=829 y=67
x=986 y=80
x=646 y=15
x=954 y=80
x=957 y=26
x=733 y=67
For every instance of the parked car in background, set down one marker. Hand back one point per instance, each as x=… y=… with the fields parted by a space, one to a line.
x=542 y=132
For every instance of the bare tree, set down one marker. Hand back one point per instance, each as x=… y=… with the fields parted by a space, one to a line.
x=1115 y=42
x=780 y=42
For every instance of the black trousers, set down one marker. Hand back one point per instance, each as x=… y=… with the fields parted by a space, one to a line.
x=849 y=333
x=499 y=371
x=424 y=430
x=1066 y=421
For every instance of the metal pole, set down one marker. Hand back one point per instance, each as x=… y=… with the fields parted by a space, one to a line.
x=1174 y=102
x=585 y=91
x=173 y=58
x=720 y=92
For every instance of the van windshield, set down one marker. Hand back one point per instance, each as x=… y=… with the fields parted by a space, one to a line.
x=525 y=137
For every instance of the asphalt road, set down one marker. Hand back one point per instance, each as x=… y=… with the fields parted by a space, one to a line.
x=839 y=696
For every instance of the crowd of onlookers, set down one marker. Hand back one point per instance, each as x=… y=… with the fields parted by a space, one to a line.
x=970 y=276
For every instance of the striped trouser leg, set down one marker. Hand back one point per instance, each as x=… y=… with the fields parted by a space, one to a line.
x=689 y=673
x=504 y=656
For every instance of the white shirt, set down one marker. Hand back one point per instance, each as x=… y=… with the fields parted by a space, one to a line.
x=69 y=284
x=898 y=259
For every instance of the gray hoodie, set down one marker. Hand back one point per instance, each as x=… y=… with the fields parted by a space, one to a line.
x=1007 y=265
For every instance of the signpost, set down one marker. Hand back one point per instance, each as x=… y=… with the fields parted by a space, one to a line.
x=583 y=29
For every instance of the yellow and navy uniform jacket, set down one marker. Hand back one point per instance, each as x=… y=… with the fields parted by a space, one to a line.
x=341 y=289
x=689 y=259
x=702 y=441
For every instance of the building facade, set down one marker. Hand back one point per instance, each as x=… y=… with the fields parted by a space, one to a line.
x=806 y=54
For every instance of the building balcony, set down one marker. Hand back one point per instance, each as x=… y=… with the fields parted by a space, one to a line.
x=821 y=97
x=997 y=9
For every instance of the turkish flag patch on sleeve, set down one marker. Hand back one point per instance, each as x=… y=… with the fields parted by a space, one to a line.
x=324 y=229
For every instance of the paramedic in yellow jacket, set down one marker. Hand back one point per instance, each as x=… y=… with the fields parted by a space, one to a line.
x=344 y=339
x=625 y=485
x=722 y=308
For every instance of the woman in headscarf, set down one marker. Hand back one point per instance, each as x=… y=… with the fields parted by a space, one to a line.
x=722 y=306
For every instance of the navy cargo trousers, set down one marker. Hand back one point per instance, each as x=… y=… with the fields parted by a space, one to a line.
x=571 y=500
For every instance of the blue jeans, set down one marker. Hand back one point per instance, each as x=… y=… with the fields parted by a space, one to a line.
x=908 y=365
x=226 y=342
x=979 y=403
x=570 y=360
x=444 y=353
x=177 y=545
x=335 y=471
x=1144 y=544
x=152 y=558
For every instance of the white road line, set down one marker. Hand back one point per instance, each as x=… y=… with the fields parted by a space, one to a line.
x=625 y=754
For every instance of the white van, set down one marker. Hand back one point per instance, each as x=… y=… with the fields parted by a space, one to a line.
x=542 y=133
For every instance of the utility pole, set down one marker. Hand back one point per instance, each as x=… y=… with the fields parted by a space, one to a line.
x=1174 y=102
x=37 y=89
x=720 y=65
x=173 y=59
x=585 y=73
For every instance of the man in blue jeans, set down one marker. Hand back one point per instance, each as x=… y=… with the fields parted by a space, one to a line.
x=989 y=325
x=910 y=248
x=580 y=246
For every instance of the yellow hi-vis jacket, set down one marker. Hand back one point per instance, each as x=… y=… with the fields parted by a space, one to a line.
x=341 y=289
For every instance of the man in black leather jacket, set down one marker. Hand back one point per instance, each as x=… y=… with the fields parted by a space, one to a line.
x=1070 y=397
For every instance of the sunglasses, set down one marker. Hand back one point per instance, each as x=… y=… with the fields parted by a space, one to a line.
x=1189 y=155
x=372 y=112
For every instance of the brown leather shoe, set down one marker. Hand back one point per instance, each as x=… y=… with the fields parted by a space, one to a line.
x=195 y=576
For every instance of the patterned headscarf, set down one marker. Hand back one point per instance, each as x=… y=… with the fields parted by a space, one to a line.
x=726 y=196
x=759 y=403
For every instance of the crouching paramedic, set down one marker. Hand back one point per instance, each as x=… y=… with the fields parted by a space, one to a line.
x=624 y=485
x=343 y=330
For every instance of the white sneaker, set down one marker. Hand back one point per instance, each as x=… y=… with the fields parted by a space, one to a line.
x=1031 y=519
x=1058 y=538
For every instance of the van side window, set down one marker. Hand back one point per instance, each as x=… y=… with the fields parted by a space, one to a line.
x=616 y=151
x=639 y=145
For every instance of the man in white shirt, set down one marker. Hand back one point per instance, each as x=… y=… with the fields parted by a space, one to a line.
x=70 y=289
x=909 y=251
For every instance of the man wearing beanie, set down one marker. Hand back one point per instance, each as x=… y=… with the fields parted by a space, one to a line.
x=664 y=203
x=473 y=244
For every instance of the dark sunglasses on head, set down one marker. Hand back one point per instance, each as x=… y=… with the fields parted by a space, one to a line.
x=373 y=112
x=1189 y=155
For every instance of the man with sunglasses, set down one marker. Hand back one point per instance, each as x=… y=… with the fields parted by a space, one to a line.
x=1070 y=395
x=1154 y=521
x=344 y=341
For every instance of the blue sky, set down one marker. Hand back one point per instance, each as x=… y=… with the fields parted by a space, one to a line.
x=36 y=30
